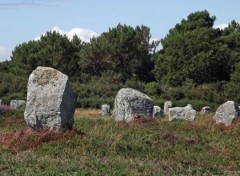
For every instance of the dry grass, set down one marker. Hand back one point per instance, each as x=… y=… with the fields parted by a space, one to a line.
x=145 y=146
x=206 y=123
x=11 y=123
x=140 y=122
x=25 y=139
x=89 y=113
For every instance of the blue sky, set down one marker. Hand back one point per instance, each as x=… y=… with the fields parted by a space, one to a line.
x=24 y=20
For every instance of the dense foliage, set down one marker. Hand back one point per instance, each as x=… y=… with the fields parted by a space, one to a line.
x=193 y=50
x=198 y=63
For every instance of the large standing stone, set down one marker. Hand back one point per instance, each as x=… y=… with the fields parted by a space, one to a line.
x=130 y=103
x=105 y=110
x=157 y=111
x=227 y=112
x=167 y=105
x=205 y=110
x=182 y=113
x=50 y=100
x=18 y=104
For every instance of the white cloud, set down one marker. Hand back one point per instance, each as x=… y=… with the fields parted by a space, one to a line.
x=221 y=26
x=5 y=54
x=84 y=34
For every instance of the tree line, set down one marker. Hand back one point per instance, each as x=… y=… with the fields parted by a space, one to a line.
x=197 y=64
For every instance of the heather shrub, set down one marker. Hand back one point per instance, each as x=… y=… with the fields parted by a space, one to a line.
x=6 y=111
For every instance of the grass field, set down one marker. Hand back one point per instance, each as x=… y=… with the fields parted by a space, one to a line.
x=100 y=146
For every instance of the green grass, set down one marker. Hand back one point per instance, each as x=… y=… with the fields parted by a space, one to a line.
x=143 y=147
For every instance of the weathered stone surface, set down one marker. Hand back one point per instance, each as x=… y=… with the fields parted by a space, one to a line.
x=130 y=103
x=182 y=113
x=227 y=112
x=18 y=104
x=167 y=105
x=105 y=110
x=50 y=100
x=205 y=110
x=157 y=111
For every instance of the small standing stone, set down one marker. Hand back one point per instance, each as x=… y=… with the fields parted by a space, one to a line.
x=182 y=113
x=205 y=110
x=227 y=112
x=167 y=105
x=0 y=101
x=157 y=111
x=105 y=110
x=18 y=104
x=130 y=103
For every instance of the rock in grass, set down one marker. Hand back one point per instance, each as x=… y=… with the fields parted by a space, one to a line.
x=205 y=110
x=227 y=112
x=18 y=104
x=157 y=111
x=50 y=100
x=105 y=110
x=182 y=113
x=130 y=103
x=167 y=105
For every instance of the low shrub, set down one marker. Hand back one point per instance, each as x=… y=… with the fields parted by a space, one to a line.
x=196 y=104
x=27 y=139
x=158 y=101
x=94 y=102
x=152 y=88
x=13 y=96
x=6 y=111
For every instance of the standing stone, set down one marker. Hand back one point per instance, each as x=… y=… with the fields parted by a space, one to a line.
x=157 y=111
x=227 y=112
x=167 y=105
x=182 y=113
x=205 y=110
x=0 y=101
x=130 y=103
x=18 y=104
x=50 y=100
x=105 y=110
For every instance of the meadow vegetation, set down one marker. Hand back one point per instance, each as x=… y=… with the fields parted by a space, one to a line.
x=198 y=64
x=100 y=146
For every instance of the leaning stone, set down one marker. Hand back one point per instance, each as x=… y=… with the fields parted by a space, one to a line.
x=130 y=103
x=167 y=105
x=105 y=110
x=50 y=100
x=157 y=111
x=227 y=112
x=205 y=110
x=182 y=113
x=18 y=104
